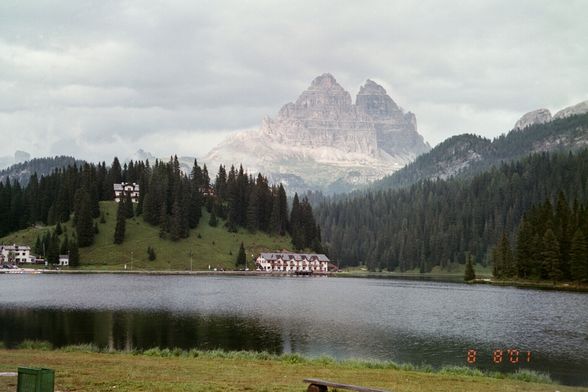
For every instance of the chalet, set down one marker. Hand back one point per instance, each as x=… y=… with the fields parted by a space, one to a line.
x=64 y=260
x=16 y=254
x=293 y=262
x=126 y=188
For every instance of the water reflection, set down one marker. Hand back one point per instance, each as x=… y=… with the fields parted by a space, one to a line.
x=128 y=330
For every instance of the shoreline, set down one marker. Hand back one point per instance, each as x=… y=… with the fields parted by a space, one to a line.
x=449 y=278
x=85 y=367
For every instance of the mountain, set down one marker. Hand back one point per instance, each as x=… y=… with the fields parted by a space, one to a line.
x=466 y=155
x=325 y=141
x=22 y=172
x=19 y=156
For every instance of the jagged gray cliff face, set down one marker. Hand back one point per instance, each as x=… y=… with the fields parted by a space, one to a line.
x=325 y=141
x=539 y=116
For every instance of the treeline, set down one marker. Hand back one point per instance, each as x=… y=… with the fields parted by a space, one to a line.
x=434 y=223
x=550 y=243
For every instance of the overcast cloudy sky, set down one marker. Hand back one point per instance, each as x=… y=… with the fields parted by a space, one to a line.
x=101 y=78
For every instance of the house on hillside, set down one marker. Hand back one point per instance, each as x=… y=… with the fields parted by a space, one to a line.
x=126 y=188
x=16 y=254
x=289 y=262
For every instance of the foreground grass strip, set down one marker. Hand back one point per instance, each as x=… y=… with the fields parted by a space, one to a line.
x=177 y=370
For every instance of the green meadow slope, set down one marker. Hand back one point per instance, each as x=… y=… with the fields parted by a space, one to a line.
x=209 y=246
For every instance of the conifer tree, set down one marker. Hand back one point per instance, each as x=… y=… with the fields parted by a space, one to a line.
x=84 y=221
x=119 y=230
x=64 y=246
x=579 y=257
x=74 y=253
x=469 y=274
x=241 y=256
x=53 y=250
x=128 y=205
x=550 y=256
x=213 y=222
x=58 y=229
x=38 y=248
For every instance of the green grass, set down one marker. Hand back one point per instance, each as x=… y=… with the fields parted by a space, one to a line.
x=82 y=368
x=213 y=246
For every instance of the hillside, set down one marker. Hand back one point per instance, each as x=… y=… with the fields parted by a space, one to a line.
x=436 y=223
x=213 y=246
x=466 y=155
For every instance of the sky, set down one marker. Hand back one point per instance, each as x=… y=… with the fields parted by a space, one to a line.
x=96 y=79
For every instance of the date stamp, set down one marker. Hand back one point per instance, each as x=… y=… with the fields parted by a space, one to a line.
x=498 y=356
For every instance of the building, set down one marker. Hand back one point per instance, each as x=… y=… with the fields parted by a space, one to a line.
x=64 y=260
x=126 y=188
x=16 y=254
x=293 y=262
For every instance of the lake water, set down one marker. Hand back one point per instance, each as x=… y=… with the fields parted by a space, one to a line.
x=420 y=322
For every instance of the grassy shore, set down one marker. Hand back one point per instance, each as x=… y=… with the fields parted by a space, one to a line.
x=82 y=368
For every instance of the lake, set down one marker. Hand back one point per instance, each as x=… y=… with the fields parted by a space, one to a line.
x=421 y=322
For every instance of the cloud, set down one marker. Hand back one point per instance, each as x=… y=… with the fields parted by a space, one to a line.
x=94 y=78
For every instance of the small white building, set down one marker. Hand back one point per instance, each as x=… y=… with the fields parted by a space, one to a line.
x=126 y=188
x=293 y=262
x=17 y=254
x=64 y=260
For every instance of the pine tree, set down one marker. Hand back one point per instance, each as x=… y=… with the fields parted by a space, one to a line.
x=119 y=230
x=550 y=256
x=128 y=205
x=151 y=253
x=469 y=274
x=58 y=229
x=84 y=221
x=53 y=250
x=74 y=253
x=38 y=249
x=241 y=256
x=64 y=246
x=213 y=222
x=579 y=257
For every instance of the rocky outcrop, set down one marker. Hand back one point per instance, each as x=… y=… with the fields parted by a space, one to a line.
x=580 y=108
x=539 y=116
x=324 y=138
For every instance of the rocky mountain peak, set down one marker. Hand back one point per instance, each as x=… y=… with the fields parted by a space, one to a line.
x=324 y=94
x=539 y=116
x=371 y=88
x=373 y=100
x=579 y=108
x=324 y=138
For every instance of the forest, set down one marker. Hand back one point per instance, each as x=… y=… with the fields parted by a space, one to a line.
x=437 y=222
x=168 y=199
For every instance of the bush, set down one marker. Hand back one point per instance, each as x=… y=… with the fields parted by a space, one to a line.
x=35 y=345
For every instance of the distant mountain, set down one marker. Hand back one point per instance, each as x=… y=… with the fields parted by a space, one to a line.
x=325 y=141
x=542 y=116
x=466 y=155
x=19 y=156
x=22 y=172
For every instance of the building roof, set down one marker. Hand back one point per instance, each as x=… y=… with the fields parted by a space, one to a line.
x=294 y=256
x=15 y=247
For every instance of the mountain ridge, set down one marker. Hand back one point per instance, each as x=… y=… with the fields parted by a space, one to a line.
x=324 y=138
